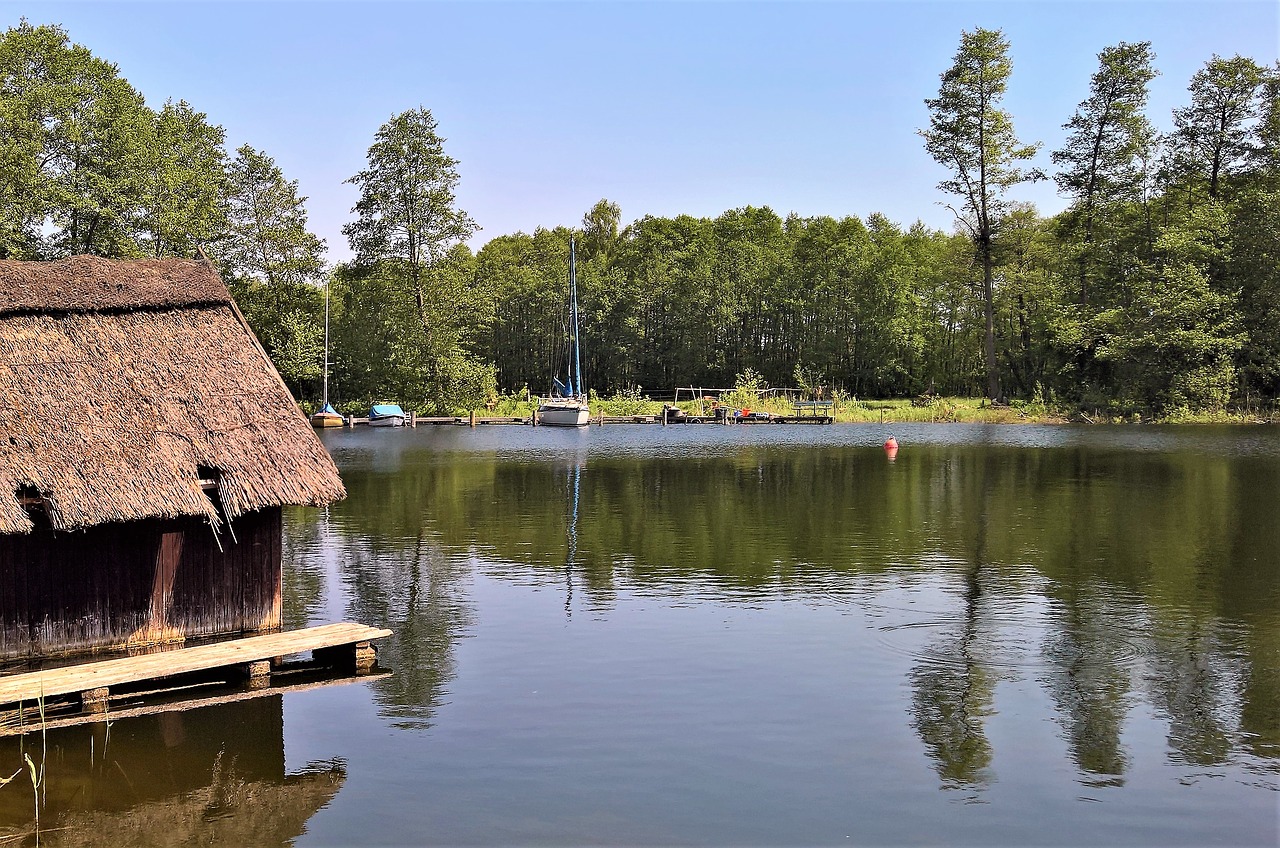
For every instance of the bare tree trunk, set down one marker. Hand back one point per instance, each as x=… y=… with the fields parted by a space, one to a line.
x=989 y=342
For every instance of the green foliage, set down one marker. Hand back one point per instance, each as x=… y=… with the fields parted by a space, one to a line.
x=1103 y=161
x=624 y=402
x=406 y=208
x=288 y=319
x=1253 y=268
x=968 y=132
x=74 y=150
x=747 y=389
x=1172 y=344
x=267 y=237
x=183 y=203
x=1212 y=134
x=297 y=345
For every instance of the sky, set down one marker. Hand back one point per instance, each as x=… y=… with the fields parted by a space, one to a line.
x=665 y=108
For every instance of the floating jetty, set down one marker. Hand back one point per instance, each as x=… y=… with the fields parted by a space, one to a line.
x=86 y=691
x=472 y=420
x=601 y=419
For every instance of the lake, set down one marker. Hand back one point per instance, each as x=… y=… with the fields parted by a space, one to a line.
x=748 y=635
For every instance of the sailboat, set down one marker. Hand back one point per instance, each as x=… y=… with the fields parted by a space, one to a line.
x=567 y=406
x=327 y=416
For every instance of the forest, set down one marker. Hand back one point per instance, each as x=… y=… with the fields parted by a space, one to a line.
x=1155 y=292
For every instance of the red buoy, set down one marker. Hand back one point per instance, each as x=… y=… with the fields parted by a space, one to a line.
x=891 y=448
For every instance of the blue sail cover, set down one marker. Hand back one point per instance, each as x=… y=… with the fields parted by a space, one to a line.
x=560 y=388
x=329 y=410
x=385 y=410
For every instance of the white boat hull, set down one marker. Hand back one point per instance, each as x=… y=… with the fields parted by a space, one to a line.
x=564 y=414
x=387 y=421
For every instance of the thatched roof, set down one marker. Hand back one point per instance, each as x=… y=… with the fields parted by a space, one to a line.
x=120 y=381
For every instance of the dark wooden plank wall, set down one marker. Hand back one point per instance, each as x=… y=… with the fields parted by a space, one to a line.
x=137 y=583
x=231 y=590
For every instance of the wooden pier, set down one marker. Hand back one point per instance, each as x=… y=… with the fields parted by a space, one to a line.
x=91 y=685
x=812 y=417
x=473 y=420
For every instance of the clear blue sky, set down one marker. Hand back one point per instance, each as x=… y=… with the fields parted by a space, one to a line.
x=664 y=108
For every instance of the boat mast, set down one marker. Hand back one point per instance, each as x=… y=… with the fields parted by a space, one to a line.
x=325 y=402
x=575 y=381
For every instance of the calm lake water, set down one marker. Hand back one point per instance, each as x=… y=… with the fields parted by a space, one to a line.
x=746 y=636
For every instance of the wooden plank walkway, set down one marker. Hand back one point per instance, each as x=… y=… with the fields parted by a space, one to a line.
x=252 y=652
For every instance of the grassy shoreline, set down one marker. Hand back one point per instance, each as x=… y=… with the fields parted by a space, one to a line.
x=941 y=410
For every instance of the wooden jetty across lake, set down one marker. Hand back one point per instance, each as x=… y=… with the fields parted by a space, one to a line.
x=811 y=413
x=472 y=420
x=806 y=412
x=91 y=685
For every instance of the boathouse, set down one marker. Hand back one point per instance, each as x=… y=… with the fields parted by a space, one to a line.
x=147 y=447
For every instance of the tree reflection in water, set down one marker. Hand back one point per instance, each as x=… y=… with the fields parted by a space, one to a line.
x=953 y=685
x=1154 y=571
x=1087 y=673
x=952 y=694
x=412 y=587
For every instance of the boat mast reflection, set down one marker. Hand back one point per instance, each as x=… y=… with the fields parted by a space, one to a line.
x=571 y=558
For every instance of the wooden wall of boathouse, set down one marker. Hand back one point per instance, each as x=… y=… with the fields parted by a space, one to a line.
x=137 y=583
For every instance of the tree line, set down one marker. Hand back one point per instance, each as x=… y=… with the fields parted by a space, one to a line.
x=1156 y=290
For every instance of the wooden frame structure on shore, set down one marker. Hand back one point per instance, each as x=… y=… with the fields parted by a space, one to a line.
x=147 y=447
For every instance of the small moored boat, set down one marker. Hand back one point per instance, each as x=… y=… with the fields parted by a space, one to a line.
x=386 y=415
x=327 y=417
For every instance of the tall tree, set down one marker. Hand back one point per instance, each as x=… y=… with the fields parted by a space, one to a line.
x=27 y=103
x=406 y=212
x=1211 y=136
x=184 y=178
x=972 y=136
x=268 y=239
x=600 y=229
x=409 y=227
x=1265 y=155
x=1109 y=136
x=274 y=263
x=72 y=148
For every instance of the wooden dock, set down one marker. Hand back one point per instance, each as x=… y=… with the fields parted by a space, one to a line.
x=473 y=420
x=789 y=419
x=346 y=645
x=806 y=413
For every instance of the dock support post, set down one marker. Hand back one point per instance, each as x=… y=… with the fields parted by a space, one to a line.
x=365 y=657
x=94 y=700
x=258 y=674
x=473 y=418
x=358 y=657
x=413 y=418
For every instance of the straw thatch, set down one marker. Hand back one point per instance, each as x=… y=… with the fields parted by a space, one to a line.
x=121 y=381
